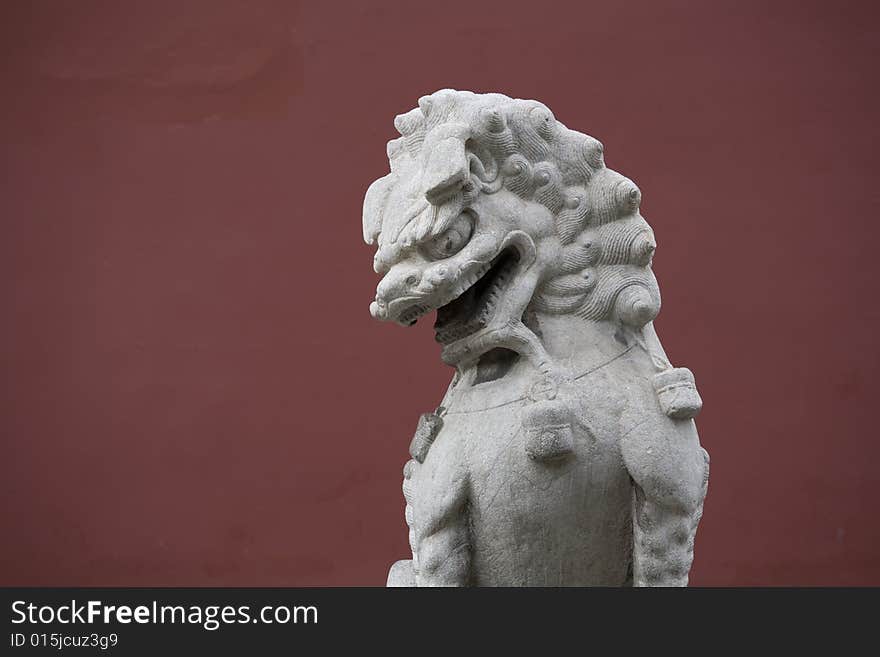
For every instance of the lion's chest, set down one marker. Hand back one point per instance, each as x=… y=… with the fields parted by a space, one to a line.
x=560 y=521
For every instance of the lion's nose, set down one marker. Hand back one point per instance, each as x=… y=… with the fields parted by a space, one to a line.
x=397 y=284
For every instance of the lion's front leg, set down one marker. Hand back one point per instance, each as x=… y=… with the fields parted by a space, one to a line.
x=670 y=473
x=438 y=528
x=435 y=486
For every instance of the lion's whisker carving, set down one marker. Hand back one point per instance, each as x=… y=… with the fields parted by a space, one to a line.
x=566 y=441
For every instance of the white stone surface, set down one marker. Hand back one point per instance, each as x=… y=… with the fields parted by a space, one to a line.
x=564 y=452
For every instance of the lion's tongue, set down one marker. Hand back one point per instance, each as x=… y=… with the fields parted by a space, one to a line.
x=453 y=317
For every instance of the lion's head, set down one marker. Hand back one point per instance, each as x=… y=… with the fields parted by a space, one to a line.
x=493 y=207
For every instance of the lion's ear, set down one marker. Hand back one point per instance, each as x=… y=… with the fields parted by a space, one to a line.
x=374 y=205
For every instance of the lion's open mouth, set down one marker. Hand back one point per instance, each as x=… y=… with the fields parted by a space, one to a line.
x=472 y=310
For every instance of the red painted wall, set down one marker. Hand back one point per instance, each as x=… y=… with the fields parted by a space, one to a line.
x=192 y=391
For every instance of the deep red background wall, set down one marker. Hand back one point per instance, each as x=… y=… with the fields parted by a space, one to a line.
x=193 y=392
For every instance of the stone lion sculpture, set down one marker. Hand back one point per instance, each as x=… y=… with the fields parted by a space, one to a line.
x=564 y=452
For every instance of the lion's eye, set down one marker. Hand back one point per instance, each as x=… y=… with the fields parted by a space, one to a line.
x=451 y=240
